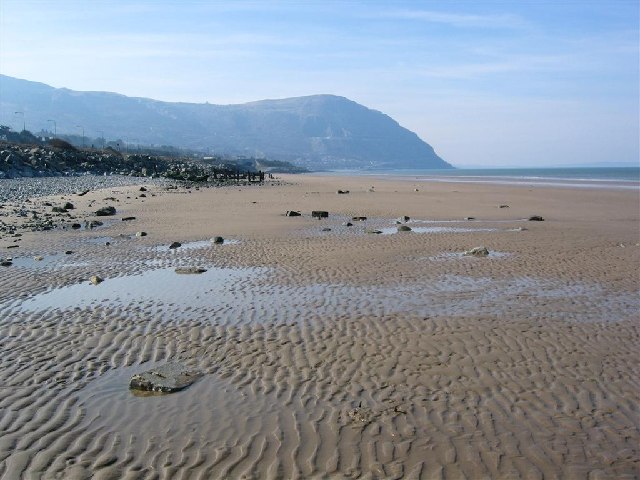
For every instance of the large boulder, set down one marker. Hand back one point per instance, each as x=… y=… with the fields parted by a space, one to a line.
x=168 y=378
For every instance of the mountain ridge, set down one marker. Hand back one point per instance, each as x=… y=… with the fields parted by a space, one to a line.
x=321 y=131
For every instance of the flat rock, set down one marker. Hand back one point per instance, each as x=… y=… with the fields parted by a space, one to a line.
x=536 y=218
x=292 y=213
x=404 y=228
x=168 y=378
x=217 y=240
x=190 y=270
x=175 y=245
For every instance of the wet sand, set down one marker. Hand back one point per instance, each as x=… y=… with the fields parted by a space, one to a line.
x=328 y=352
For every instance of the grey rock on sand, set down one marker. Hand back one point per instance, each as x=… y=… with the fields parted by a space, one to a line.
x=292 y=213
x=477 y=252
x=404 y=228
x=536 y=218
x=175 y=245
x=168 y=378
x=217 y=240
x=95 y=279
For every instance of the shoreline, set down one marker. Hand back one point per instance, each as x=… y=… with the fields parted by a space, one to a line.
x=328 y=351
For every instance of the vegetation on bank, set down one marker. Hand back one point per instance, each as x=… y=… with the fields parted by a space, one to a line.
x=23 y=154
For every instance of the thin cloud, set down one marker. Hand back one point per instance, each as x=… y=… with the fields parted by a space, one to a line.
x=504 y=20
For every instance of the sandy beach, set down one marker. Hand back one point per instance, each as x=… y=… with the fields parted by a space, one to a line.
x=328 y=351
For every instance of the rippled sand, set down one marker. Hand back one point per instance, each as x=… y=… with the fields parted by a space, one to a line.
x=329 y=353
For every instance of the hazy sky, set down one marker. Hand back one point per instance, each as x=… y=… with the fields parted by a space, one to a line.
x=532 y=82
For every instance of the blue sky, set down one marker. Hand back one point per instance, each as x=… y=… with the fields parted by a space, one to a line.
x=504 y=83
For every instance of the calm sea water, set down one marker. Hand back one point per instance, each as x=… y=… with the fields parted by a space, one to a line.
x=586 y=177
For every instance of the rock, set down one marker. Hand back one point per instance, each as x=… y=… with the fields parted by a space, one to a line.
x=13 y=246
x=190 y=270
x=95 y=279
x=347 y=224
x=105 y=211
x=76 y=226
x=343 y=192
x=6 y=263
x=504 y=206
x=477 y=252
x=68 y=206
x=93 y=224
x=38 y=258
x=58 y=210
x=143 y=189
x=175 y=245
x=376 y=232
x=128 y=219
x=142 y=195
x=168 y=378
x=68 y=252
x=83 y=193
x=326 y=229
x=404 y=228
x=217 y=240
x=319 y=214
x=292 y=213
x=469 y=218
x=404 y=219
x=359 y=219
x=536 y=218
x=141 y=234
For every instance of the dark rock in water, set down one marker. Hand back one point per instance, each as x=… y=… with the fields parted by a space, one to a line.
x=343 y=192
x=127 y=219
x=376 y=232
x=175 y=245
x=93 y=224
x=76 y=226
x=68 y=206
x=477 y=252
x=168 y=378
x=536 y=218
x=105 y=211
x=6 y=263
x=190 y=270
x=404 y=228
x=68 y=252
x=217 y=240
x=319 y=214
x=347 y=224
x=359 y=219
x=292 y=213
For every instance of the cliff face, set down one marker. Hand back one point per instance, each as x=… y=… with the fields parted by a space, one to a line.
x=317 y=132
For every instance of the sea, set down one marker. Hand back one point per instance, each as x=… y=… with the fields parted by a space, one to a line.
x=578 y=177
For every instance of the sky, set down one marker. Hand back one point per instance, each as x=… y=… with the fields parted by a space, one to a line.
x=486 y=83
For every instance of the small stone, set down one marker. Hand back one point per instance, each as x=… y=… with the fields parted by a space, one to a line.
x=404 y=219
x=105 y=211
x=95 y=279
x=141 y=234
x=343 y=192
x=38 y=258
x=404 y=228
x=143 y=189
x=326 y=229
x=536 y=218
x=68 y=252
x=76 y=226
x=292 y=213
x=128 y=219
x=347 y=224
x=376 y=232
x=469 y=218
x=68 y=206
x=175 y=245
x=504 y=206
x=217 y=240
x=6 y=263
x=359 y=219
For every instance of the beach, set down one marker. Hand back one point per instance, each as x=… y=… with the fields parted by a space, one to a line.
x=337 y=347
